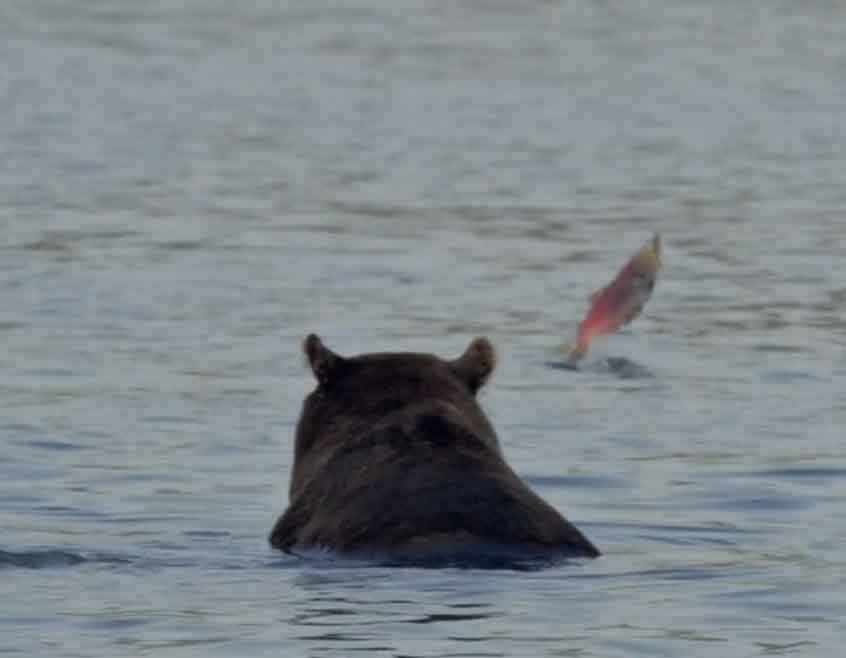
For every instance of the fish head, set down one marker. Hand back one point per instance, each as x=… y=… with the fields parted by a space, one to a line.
x=644 y=266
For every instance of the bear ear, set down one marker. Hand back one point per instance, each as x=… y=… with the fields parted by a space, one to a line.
x=323 y=361
x=475 y=366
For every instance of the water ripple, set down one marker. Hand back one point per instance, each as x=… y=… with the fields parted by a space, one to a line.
x=40 y=559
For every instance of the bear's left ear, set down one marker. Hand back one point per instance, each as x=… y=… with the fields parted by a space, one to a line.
x=323 y=361
x=475 y=366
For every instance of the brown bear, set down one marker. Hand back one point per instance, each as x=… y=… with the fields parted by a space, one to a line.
x=395 y=457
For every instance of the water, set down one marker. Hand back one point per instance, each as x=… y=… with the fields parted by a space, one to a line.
x=188 y=188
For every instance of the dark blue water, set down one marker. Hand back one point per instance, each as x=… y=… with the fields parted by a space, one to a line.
x=189 y=188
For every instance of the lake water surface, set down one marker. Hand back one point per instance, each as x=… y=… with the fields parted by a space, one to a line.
x=188 y=188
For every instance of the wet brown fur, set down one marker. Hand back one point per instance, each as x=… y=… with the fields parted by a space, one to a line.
x=393 y=454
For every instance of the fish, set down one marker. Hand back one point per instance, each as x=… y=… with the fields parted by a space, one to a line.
x=621 y=301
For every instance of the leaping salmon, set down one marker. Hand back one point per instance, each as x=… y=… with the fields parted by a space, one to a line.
x=621 y=301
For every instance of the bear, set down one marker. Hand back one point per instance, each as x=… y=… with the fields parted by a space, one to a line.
x=394 y=457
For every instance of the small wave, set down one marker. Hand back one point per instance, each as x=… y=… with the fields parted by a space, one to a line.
x=51 y=444
x=764 y=503
x=39 y=559
x=676 y=529
x=800 y=473
x=576 y=481
x=788 y=376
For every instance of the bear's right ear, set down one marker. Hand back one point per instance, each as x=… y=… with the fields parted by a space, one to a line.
x=477 y=363
x=323 y=361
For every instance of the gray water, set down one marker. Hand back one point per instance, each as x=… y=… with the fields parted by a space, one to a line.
x=188 y=188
